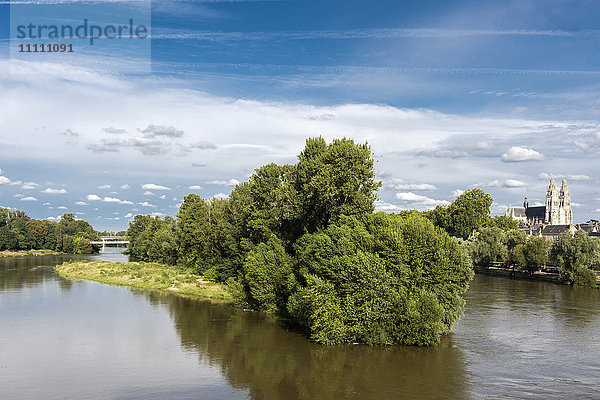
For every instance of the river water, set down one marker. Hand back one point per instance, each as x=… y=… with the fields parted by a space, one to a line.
x=64 y=339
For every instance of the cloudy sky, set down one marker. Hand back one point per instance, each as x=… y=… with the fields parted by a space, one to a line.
x=451 y=95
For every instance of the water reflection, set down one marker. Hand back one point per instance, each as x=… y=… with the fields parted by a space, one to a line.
x=32 y=271
x=264 y=355
x=517 y=339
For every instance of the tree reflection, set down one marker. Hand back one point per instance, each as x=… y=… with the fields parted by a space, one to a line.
x=273 y=360
x=29 y=272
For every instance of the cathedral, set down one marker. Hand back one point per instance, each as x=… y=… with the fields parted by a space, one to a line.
x=557 y=210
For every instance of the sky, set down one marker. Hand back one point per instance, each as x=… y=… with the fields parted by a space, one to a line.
x=450 y=95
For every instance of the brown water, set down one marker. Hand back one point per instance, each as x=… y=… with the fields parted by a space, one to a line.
x=84 y=340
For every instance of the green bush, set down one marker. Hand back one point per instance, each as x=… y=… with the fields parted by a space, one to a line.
x=380 y=281
x=268 y=275
x=584 y=277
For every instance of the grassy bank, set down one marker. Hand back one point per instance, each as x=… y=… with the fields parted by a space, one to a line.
x=22 y=253
x=146 y=276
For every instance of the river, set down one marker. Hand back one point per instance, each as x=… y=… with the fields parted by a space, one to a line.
x=64 y=339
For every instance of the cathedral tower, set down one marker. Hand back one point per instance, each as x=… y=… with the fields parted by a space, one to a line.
x=565 y=212
x=552 y=204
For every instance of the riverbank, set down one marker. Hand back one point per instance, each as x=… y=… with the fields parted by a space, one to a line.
x=23 y=253
x=516 y=274
x=523 y=275
x=146 y=276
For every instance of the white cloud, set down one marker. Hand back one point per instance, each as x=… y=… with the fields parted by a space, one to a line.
x=106 y=146
x=149 y=146
x=128 y=215
x=148 y=193
x=519 y=154
x=162 y=197
x=30 y=186
x=53 y=191
x=146 y=204
x=419 y=200
x=578 y=177
x=125 y=187
x=194 y=187
x=513 y=183
x=152 y=186
x=29 y=199
x=570 y=177
x=457 y=192
x=115 y=200
x=93 y=197
x=162 y=130
x=231 y=182
x=104 y=187
x=4 y=180
x=417 y=187
x=62 y=208
x=80 y=203
x=219 y=196
x=114 y=131
x=387 y=207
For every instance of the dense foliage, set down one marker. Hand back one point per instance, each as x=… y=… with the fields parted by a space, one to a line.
x=20 y=232
x=302 y=240
x=466 y=214
x=574 y=255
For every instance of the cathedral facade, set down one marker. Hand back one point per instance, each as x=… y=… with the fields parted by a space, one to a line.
x=557 y=210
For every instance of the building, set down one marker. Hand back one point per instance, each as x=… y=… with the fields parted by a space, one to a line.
x=557 y=210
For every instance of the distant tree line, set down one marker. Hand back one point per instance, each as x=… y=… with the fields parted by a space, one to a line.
x=497 y=240
x=574 y=255
x=20 y=232
x=303 y=241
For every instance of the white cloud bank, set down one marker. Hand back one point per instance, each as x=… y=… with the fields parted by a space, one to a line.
x=239 y=135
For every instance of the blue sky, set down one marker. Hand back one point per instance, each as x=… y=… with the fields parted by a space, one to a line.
x=451 y=95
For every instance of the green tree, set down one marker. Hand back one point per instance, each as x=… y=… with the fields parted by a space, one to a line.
x=534 y=254
x=488 y=246
x=571 y=252
x=334 y=180
x=513 y=239
x=503 y=222
x=469 y=212
x=82 y=245
x=269 y=276
x=384 y=280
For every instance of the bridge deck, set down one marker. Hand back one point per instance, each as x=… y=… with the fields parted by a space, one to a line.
x=108 y=240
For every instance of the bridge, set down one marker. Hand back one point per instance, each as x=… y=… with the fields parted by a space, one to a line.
x=112 y=241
